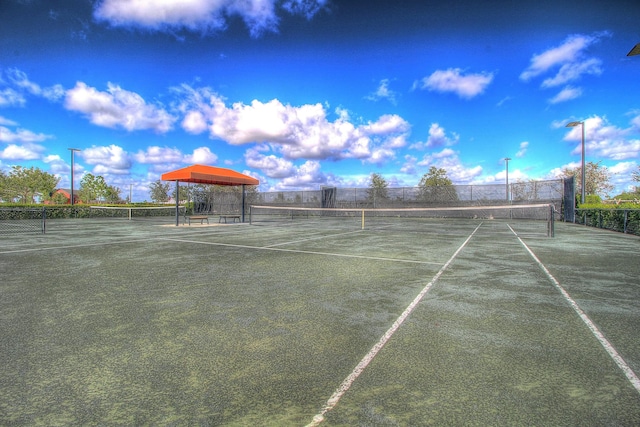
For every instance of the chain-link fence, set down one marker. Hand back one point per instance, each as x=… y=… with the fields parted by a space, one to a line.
x=448 y=195
x=22 y=220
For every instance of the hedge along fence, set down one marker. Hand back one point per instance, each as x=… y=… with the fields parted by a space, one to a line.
x=617 y=219
x=21 y=211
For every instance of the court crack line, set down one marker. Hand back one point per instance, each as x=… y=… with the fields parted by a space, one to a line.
x=610 y=349
x=346 y=384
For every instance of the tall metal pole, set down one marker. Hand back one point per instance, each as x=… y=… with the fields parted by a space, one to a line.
x=584 y=182
x=73 y=150
x=506 y=160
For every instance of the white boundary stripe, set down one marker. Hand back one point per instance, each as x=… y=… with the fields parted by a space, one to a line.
x=269 y=248
x=346 y=384
x=631 y=376
x=324 y=236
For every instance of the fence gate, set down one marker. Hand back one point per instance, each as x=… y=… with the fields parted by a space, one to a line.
x=329 y=197
x=569 y=200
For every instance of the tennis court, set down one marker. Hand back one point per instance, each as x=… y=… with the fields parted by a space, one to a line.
x=407 y=322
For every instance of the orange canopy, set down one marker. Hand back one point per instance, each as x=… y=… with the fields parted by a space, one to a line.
x=201 y=174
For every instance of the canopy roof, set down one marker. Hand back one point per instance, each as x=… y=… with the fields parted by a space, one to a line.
x=201 y=174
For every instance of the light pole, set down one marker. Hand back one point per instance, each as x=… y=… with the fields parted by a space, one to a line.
x=584 y=184
x=506 y=161
x=73 y=150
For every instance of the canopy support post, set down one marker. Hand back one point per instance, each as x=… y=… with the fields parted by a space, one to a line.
x=177 y=203
x=243 y=193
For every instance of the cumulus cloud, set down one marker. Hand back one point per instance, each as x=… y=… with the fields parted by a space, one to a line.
x=293 y=131
x=270 y=165
x=111 y=159
x=158 y=155
x=449 y=160
x=201 y=155
x=454 y=80
x=21 y=135
x=117 y=108
x=437 y=138
x=604 y=140
x=204 y=16
x=26 y=151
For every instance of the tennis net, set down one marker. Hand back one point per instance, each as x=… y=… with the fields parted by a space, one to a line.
x=134 y=213
x=533 y=218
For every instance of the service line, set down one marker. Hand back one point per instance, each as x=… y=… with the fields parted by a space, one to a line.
x=628 y=372
x=346 y=384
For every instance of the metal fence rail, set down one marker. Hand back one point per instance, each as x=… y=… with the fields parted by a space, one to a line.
x=621 y=220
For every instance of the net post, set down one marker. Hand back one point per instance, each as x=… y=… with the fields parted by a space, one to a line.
x=552 y=226
x=250 y=217
x=362 y=226
x=44 y=219
x=129 y=213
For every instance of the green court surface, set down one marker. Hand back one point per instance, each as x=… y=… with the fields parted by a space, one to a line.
x=423 y=322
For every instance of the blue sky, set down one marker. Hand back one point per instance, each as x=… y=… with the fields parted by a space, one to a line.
x=305 y=93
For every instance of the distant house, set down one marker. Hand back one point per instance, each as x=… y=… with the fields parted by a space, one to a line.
x=66 y=193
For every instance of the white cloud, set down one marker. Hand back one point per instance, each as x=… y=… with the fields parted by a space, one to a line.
x=448 y=159
x=603 y=140
x=158 y=155
x=202 y=155
x=572 y=71
x=204 y=16
x=19 y=79
x=6 y=122
x=272 y=166
x=26 y=151
x=10 y=97
x=109 y=160
x=21 y=135
x=117 y=108
x=566 y=94
x=523 y=149
x=383 y=92
x=453 y=80
x=570 y=60
x=437 y=138
x=306 y=177
x=294 y=132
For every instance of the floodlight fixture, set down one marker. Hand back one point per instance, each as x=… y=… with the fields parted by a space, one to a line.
x=570 y=125
x=635 y=50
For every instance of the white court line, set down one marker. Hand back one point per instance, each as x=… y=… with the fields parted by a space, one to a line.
x=324 y=236
x=80 y=245
x=297 y=251
x=628 y=372
x=346 y=384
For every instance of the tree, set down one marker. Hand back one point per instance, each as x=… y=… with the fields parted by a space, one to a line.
x=435 y=186
x=112 y=195
x=25 y=184
x=93 y=188
x=377 y=191
x=596 y=178
x=636 y=177
x=159 y=192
